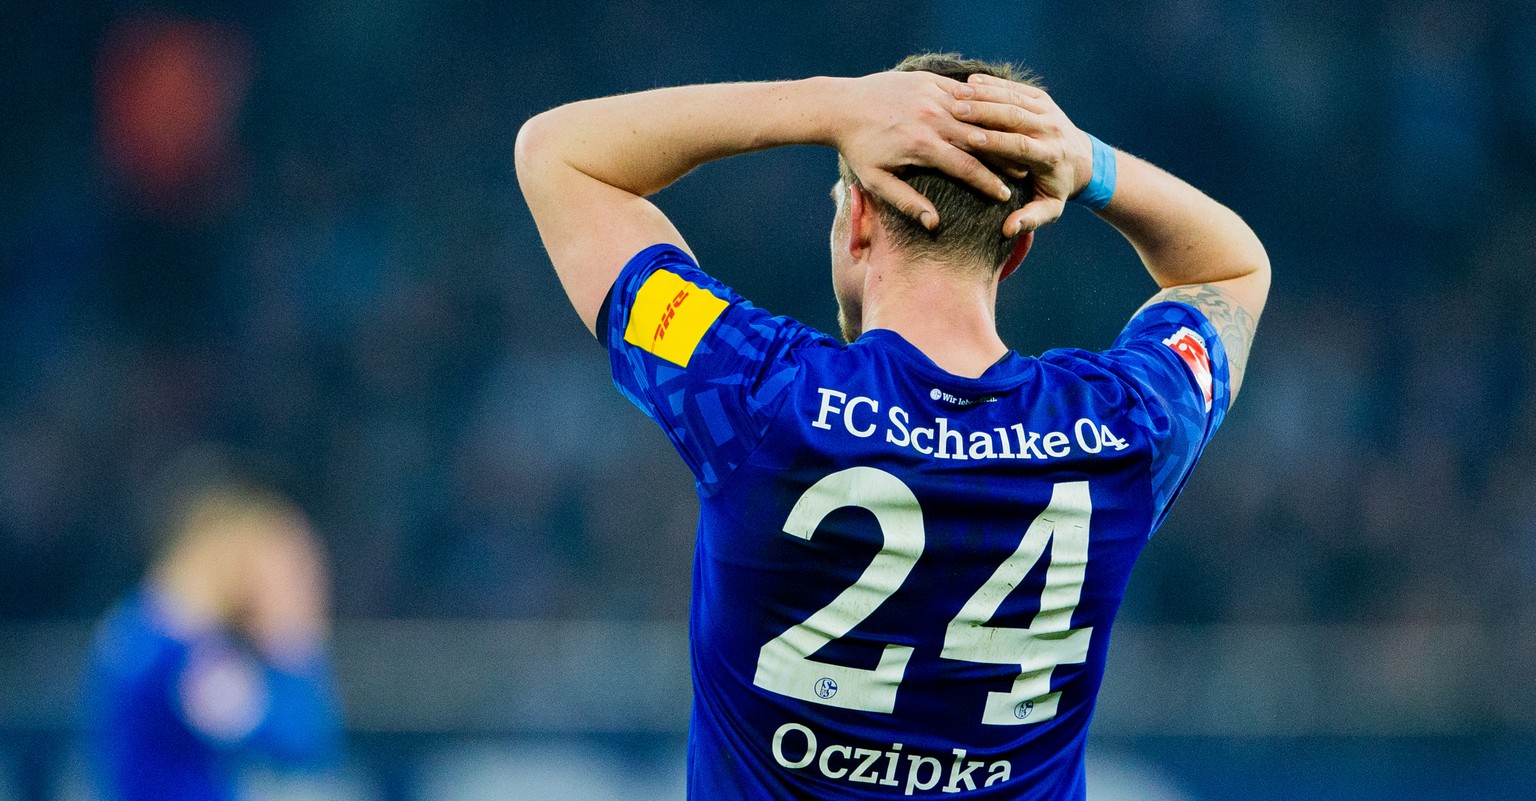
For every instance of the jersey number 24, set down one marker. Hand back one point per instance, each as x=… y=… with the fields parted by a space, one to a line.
x=784 y=665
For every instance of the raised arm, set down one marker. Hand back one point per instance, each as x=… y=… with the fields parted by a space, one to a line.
x=1199 y=251
x=586 y=168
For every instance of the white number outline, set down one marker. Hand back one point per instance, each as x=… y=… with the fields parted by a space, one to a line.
x=1050 y=639
x=784 y=665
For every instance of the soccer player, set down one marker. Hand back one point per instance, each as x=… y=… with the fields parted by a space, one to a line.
x=912 y=543
x=216 y=661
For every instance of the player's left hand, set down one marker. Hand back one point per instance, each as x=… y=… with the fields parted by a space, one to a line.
x=893 y=120
x=1027 y=133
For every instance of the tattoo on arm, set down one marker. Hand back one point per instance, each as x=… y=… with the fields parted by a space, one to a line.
x=1233 y=322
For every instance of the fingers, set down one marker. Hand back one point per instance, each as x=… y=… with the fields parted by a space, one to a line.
x=1019 y=149
x=982 y=82
x=1035 y=215
x=1021 y=95
x=904 y=198
x=1003 y=166
x=1001 y=116
x=1012 y=133
x=948 y=85
x=968 y=168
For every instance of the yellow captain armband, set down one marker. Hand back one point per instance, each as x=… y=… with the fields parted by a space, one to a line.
x=670 y=316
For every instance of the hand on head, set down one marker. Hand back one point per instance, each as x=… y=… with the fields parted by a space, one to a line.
x=972 y=131
x=1027 y=134
x=906 y=119
x=250 y=565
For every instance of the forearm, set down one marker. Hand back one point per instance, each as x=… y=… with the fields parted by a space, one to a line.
x=640 y=143
x=1182 y=236
x=1199 y=251
x=587 y=168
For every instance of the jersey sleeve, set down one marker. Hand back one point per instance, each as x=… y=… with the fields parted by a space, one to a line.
x=710 y=368
x=1174 y=352
x=1171 y=359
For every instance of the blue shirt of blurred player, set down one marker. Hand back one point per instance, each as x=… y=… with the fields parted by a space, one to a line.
x=214 y=664
x=176 y=718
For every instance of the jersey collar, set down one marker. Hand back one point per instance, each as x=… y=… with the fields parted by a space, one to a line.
x=1005 y=372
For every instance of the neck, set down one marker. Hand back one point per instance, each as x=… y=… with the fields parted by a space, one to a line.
x=950 y=318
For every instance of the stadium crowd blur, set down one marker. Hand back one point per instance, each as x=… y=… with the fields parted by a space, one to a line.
x=294 y=227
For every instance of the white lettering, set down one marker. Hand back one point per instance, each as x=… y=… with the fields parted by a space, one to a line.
x=863 y=765
x=1082 y=441
x=1002 y=437
x=956 y=775
x=826 y=758
x=874 y=406
x=944 y=439
x=944 y=434
x=899 y=419
x=892 y=758
x=916 y=763
x=1027 y=445
x=778 y=746
x=866 y=771
x=826 y=406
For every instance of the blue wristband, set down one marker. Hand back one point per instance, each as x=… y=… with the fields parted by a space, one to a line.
x=1101 y=187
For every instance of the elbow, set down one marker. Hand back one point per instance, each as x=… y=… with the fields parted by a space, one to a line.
x=1247 y=256
x=1260 y=261
x=531 y=145
x=1252 y=286
x=1257 y=262
x=541 y=143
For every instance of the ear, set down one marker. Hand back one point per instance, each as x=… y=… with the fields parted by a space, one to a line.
x=863 y=220
x=1020 y=250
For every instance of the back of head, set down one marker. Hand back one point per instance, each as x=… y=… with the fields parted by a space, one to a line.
x=226 y=536
x=208 y=492
x=970 y=230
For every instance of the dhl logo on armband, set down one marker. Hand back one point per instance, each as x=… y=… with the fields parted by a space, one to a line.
x=670 y=316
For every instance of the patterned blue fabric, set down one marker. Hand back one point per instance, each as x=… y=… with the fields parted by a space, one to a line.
x=1167 y=390
x=714 y=412
x=173 y=718
x=769 y=414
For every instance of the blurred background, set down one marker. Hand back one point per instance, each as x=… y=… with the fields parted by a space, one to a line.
x=294 y=227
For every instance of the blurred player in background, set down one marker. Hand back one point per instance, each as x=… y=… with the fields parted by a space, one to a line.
x=217 y=661
x=912 y=544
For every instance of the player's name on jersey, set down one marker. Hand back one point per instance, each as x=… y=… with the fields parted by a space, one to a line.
x=865 y=417
x=796 y=747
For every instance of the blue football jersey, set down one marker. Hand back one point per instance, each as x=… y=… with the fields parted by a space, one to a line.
x=904 y=580
x=173 y=717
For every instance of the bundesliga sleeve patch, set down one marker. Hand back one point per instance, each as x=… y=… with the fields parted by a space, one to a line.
x=670 y=316
x=1191 y=348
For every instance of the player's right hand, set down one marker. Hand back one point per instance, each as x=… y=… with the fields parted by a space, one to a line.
x=1027 y=133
